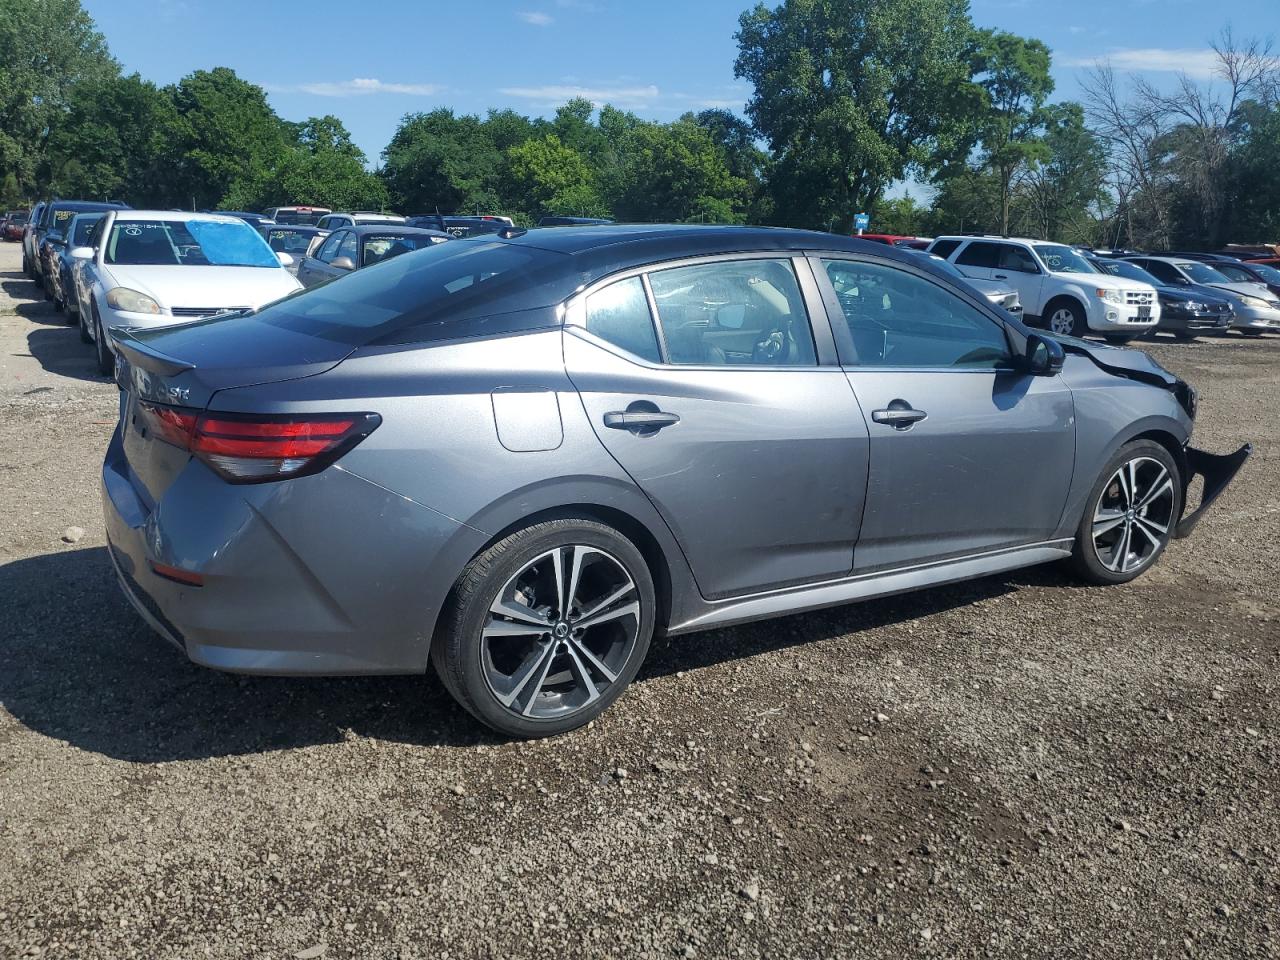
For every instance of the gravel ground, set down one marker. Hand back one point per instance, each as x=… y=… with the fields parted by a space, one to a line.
x=1015 y=767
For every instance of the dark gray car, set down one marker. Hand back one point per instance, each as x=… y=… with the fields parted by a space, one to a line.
x=519 y=456
x=353 y=248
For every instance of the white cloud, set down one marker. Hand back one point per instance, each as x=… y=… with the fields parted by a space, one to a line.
x=359 y=87
x=637 y=96
x=1196 y=63
x=537 y=18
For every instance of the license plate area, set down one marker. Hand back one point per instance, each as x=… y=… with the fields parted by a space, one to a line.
x=1144 y=313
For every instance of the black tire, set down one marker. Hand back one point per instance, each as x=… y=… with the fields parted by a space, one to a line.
x=1087 y=560
x=105 y=358
x=1079 y=324
x=457 y=652
x=1251 y=333
x=84 y=328
x=1183 y=337
x=26 y=266
x=1118 y=339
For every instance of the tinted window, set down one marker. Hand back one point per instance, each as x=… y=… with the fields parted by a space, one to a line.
x=83 y=228
x=978 y=255
x=944 y=248
x=736 y=312
x=1018 y=259
x=1123 y=268
x=620 y=314
x=1201 y=272
x=455 y=281
x=897 y=319
x=347 y=247
x=1232 y=272
x=329 y=249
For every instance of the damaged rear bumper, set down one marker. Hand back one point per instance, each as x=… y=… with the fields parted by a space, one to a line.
x=1218 y=470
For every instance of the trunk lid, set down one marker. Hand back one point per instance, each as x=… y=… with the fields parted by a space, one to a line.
x=185 y=365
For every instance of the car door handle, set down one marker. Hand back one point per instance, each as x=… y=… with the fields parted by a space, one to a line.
x=1001 y=276
x=899 y=414
x=640 y=420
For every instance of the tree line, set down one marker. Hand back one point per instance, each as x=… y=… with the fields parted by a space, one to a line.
x=850 y=97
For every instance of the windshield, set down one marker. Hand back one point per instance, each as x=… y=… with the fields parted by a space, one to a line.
x=190 y=243
x=1060 y=259
x=1268 y=273
x=1202 y=272
x=84 y=226
x=377 y=249
x=458 y=280
x=1122 y=268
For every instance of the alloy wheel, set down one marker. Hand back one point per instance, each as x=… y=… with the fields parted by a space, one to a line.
x=560 y=632
x=1062 y=321
x=1134 y=514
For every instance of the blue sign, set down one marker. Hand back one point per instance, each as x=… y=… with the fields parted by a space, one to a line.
x=861 y=221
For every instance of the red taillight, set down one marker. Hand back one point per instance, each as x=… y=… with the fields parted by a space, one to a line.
x=252 y=448
x=177 y=574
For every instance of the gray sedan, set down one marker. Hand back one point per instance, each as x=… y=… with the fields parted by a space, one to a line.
x=352 y=248
x=517 y=457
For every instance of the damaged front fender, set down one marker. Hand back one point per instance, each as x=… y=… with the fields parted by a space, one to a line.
x=1218 y=470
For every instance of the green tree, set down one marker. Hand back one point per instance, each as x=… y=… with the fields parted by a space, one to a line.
x=853 y=95
x=324 y=167
x=47 y=48
x=1064 y=195
x=1255 y=177
x=551 y=178
x=1013 y=73
x=229 y=141
x=441 y=161
x=899 y=215
x=676 y=172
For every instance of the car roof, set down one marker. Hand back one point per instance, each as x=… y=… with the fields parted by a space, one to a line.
x=174 y=215
x=392 y=230
x=86 y=205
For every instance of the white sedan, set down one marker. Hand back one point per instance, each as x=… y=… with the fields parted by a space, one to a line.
x=150 y=268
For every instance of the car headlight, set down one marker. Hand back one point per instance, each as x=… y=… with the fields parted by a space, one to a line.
x=1256 y=302
x=131 y=301
x=1111 y=296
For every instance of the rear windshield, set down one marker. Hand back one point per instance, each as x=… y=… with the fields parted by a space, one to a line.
x=304 y=217
x=187 y=243
x=457 y=280
x=289 y=241
x=377 y=249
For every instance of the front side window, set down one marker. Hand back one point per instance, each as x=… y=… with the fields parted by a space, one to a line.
x=1017 y=259
x=84 y=227
x=620 y=314
x=199 y=243
x=898 y=319
x=348 y=247
x=738 y=312
x=329 y=249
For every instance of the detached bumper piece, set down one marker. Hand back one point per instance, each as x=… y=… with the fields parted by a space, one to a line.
x=1218 y=471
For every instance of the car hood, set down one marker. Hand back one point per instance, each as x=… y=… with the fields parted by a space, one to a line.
x=218 y=287
x=1119 y=361
x=991 y=288
x=1244 y=289
x=1197 y=291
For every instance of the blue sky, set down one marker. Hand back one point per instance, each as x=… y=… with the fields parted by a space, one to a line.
x=370 y=63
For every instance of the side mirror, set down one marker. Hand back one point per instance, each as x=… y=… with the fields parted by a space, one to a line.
x=1044 y=356
x=343 y=263
x=285 y=259
x=82 y=253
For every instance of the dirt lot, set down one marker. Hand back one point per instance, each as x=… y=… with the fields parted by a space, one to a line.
x=1012 y=767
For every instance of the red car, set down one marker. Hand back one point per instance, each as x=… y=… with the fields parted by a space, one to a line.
x=895 y=240
x=12 y=224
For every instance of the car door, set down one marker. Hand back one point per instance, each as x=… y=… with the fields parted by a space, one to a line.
x=703 y=380
x=967 y=453
x=314 y=269
x=1017 y=267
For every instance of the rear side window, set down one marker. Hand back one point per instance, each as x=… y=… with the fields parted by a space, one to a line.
x=944 y=248
x=984 y=255
x=620 y=314
x=455 y=281
x=734 y=313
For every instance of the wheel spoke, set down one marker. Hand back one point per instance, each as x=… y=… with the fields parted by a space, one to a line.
x=519 y=612
x=575 y=574
x=583 y=674
x=605 y=603
x=1126 y=540
x=1157 y=490
x=557 y=560
x=544 y=666
x=585 y=652
x=535 y=664
x=1122 y=475
x=1105 y=520
x=594 y=621
x=1142 y=528
x=505 y=628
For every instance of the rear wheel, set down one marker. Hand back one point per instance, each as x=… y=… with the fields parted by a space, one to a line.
x=1130 y=515
x=85 y=336
x=1118 y=339
x=546 y=628
x=1066 y=318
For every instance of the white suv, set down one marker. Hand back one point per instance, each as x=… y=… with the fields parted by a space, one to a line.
x=1058 y=287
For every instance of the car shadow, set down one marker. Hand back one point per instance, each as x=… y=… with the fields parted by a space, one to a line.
x=61 y=351
x=29 y=301
x=77 y=664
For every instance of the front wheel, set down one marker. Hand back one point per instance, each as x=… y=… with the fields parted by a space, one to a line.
x=1067 y=319
x=1130 y=515
x=546 y=628
x=106 y=359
